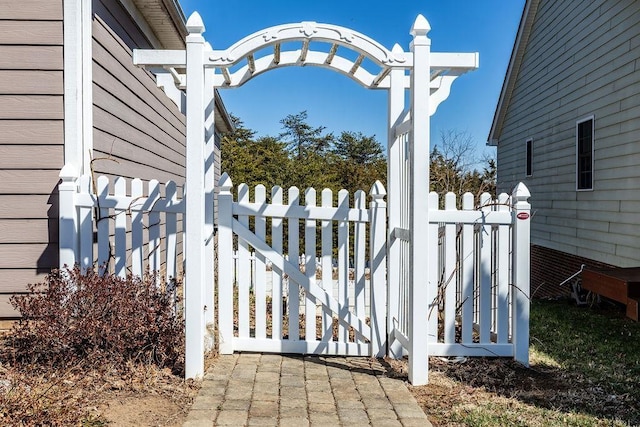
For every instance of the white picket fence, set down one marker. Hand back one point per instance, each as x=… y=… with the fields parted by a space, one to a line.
x=477 y=282
x=118 y=229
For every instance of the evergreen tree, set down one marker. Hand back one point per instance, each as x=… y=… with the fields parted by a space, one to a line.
x=301 y=138
x=359 y=161
x=254 y=161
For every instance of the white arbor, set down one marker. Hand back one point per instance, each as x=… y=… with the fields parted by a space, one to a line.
x=426 y=75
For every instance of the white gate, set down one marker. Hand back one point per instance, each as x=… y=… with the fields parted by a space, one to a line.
x=305 y=307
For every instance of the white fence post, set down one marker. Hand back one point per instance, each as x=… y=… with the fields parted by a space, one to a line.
x=378 y=264
x=420 y=248
x=209 y=183
x=521 y=272
x=394 y=159
x=225 y=261
x=68 y=217
x=194 y=221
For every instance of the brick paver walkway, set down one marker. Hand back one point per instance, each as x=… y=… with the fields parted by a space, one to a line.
x=282 y=390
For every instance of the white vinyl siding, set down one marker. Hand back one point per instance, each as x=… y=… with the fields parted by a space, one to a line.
x=581 y=59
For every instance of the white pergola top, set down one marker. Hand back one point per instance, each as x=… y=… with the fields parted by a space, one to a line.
x=265 y=50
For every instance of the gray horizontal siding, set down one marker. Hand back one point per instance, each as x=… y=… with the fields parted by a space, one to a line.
x=581 y=60
x=134 y=122
x=138 y=131
x=31 y=141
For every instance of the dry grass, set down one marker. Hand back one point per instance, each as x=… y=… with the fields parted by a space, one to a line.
x=90 y=396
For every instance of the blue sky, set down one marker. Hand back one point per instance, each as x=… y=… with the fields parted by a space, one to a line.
x=337 y=102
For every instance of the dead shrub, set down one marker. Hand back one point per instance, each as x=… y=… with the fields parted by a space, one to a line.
x=76 y=316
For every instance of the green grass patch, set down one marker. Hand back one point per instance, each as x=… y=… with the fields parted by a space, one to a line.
x=585 y=371
x=602 y=345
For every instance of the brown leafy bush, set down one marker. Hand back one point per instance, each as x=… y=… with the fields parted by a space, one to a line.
x=97 y=319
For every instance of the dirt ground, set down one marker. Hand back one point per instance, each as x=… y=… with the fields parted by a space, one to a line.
x=129 y=409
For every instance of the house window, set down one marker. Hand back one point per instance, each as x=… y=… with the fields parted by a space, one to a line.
x=584 y=154
x=529 y=167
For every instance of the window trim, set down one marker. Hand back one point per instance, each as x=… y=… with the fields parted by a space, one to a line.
x=528 y=158
x=593 y=133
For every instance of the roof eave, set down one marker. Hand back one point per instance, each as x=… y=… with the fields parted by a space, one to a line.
x=517 y=54
x=167 y=21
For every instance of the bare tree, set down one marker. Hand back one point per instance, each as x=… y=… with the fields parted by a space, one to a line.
x=456 y=167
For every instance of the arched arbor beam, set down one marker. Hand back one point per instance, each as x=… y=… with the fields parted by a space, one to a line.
x=306 y=32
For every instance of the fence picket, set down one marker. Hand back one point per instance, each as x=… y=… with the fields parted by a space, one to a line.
x=343 y=264
x=467 y=261
x=432 y=278
x=276 y=275
x=359 y=251
x=486 y=250
x=102 y=192
x=327 y=264
x=85 y=219
x=449 y=285
x=154 y=230
x=244 y=270
x=225 y=263
x=294 y=255
x=260 y=270
x=377 y=269
x=310 y=266
x=137 y=226
x=502 y=273
x=120 y=237
x=171 y=219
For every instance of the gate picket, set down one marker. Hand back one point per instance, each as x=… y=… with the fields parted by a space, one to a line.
x=244 y=269
x=359 y=250
x=276 y=275
x=310 y=266
x=343 y=262
x=327 y=264
x=294 y=256
x=260 y=271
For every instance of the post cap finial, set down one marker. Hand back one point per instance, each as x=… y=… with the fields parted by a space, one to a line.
x=521 y=192
x=377 y=190
x=68 y=172
x=420 y=27
x=397 y=48
x=195 y=24
x=225 y=183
